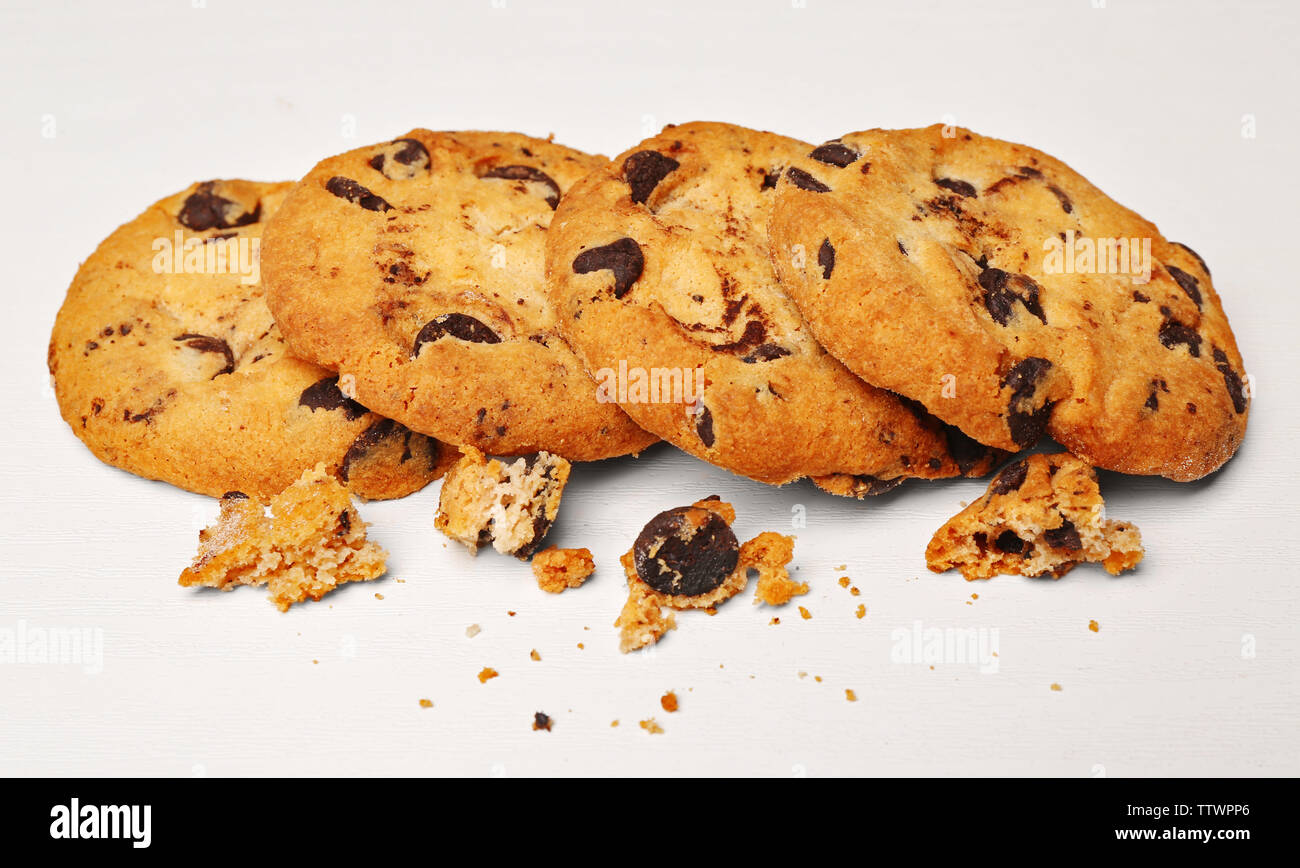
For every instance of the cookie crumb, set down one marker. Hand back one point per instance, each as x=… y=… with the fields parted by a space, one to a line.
x=1056 y=687
x=1094 y=626
x=559 y=569
x=805 y=614
x=669 y=701
x=378 y=596
x=817 y=678
x=613 y=723
x=854 y=591
x=534 y=655
x=652 y=727
x=861 y=611
x=487 y=674
x=850 y=695
x=426 y=703
x=774 y=622
x=542 y=721
x=844 y=581
x=841 y=567
x=473 y=630
x=581 y=647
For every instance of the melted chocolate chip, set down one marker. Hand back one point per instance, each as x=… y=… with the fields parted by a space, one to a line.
x=901 y=248
x=1231 y=379
x=623 y=257
x=346 y=188
x=345 y=524
x=1029 y=172
x=1189 y=284
x=234 y=495
x=542 y=721
x=1066 y=205
x=804 y=181
x=704 y=426
x=687 y=550
x=835 y=154
x=1140 y=297
x=205 y=344
x=826 y=259
x=1009 y=543
x=1010 y=478
x=1002 y=290
x=1172 y=333
x=961 y=188
x=203 y=209
x=765 y=353
x=528 y=173
x=1025 y=422
x=644 y=170
x=770 y=177
x=325 y=395
x=402 y=163
x=1153 y=396
x=1064 y=537
x=457 y=325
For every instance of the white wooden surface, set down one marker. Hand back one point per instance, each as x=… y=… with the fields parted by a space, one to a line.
x=1194 y=670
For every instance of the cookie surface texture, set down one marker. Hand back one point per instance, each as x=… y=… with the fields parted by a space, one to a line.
x=660 y=269
x=1008 y=295
x=416 y=268
x=166 y=363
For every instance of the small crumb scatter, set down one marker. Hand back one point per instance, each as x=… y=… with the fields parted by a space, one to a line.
x=542 y=721
x=426 y=703
x=1094 y=626
x=1056 y=687
x=534 y=655
x=844 y=581
x=487 y=675
x=862 y=611
x=850 y=695
x=473 y=630
x=804 y=613
x=669 y=701
x=652 y=727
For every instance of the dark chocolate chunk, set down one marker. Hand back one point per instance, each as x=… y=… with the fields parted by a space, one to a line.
x=1064 y=537
x=1172 y=333
x=704 y=426
x=826 y=258
x=205 y=344
x=457 y=325
x=204 y=209
x=346 y=188
x=542 y=721
x=834 y=154
x=1231 y=379
x=345 y=524
x=528 y=173
x=765 y=353
x=1025 y=422
x=961 y=188
x=326 y=395
x=1009 y=543
x=375 y=433
x=1029 y=172
x=687 y=550
x=1002 y=289
x=623 y=257
x=1189 y=284
x=644 y=170
x=234 y=495
x=403 y=163
x=804 y=181
x=1010 y=478
x=1140 y=297
x=770 y=177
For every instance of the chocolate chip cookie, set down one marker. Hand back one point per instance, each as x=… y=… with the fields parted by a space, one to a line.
x=415 y=269
x=995 y=285
x=660 y=270
x=1041 y=516
x=166 y=362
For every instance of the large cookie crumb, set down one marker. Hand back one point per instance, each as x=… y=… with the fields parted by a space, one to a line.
x=509 y=506
x=312 y=542
x=559 y=569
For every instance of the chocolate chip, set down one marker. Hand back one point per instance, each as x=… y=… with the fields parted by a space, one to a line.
x=1010 y=478
x=1189 y=284
x=375 y=433
x=403 y=162
x=623 y=257
x=1140 y=297
x=345 y=524
x=961 y=188
x=1172 y=333
x=687 y=550
x=834 y=154
x=457 y=325
x=901 y=248
x=542 y=722
x=204 y=209
x=1002 y=289
x=765 y=353
x=1026 y=423
x=804 y=181
x=826 y=259
x=1009 y=543
x=528 y=173
x=770 y=177
x=1029 y=172
x=1231 y=379
x=1153 y=396
x=1195 y=256
x=346 y=188
x=1056 y=191
x=1064 y=537
x=205 y=344
x=704 y=426
x=325 y=395
x=234 y=495
x=644 y=170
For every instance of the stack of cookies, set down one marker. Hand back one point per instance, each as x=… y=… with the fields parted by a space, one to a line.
x=884 y=306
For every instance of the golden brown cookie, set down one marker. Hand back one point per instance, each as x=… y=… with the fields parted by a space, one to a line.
x=415 y=269
x=995 y=285
x=166 y=362
x=1041 y=516
x=659 y=266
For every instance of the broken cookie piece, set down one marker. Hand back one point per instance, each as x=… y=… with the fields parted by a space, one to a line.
x=767 y=554
x=689 y=558
x=559 y=569
x=509 y=506
x=1042 y=515
x=312 y=542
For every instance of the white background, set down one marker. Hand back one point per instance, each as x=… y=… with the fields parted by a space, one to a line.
x=110 y=106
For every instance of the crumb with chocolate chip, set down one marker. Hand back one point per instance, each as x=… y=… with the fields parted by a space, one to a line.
x=508 y=506
x=558 y=569
x=542 y=722
x=312 y=542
